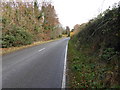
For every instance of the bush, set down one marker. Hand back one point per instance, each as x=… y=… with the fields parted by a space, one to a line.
x=60 y=36
x=108 y=53
x=15 y=37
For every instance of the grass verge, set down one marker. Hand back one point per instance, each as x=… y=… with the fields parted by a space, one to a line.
x=4 y=51
x=86 y=71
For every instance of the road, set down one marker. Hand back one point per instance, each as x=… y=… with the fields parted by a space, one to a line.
x=40 y=66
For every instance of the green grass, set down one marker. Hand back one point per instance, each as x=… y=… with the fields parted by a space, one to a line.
x=83 y=71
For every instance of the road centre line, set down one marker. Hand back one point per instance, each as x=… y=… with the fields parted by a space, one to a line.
x=41 y=50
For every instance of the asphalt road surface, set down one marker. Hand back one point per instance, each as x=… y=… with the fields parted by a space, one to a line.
x=39 y=66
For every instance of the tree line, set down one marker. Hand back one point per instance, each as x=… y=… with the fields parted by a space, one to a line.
x=27 y=22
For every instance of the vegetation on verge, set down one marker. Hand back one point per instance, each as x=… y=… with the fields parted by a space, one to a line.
x=94 y=53
x=26 y=22
x=12 y=49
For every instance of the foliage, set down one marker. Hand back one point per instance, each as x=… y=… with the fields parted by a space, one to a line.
x=82 y=71
x=97 y=62
x=68 y=31
x=108 y=53
x=15 y=37
x=25 y=22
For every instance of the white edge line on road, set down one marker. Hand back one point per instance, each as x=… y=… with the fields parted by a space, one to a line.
x=41 y=50
x=64 y=71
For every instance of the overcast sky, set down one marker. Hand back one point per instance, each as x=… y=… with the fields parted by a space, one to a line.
x=72 y=12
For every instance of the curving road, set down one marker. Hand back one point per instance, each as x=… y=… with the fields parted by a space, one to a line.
x=40 y=66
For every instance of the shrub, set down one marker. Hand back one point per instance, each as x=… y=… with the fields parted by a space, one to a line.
x=108 y=54
x=15 y=37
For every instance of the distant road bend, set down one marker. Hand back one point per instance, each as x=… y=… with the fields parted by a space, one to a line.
x=39 y=66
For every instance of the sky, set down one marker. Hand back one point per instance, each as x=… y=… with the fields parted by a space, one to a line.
x=72 y=12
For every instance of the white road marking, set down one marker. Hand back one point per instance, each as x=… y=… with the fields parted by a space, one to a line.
x=64 y=71
x=41 y=50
